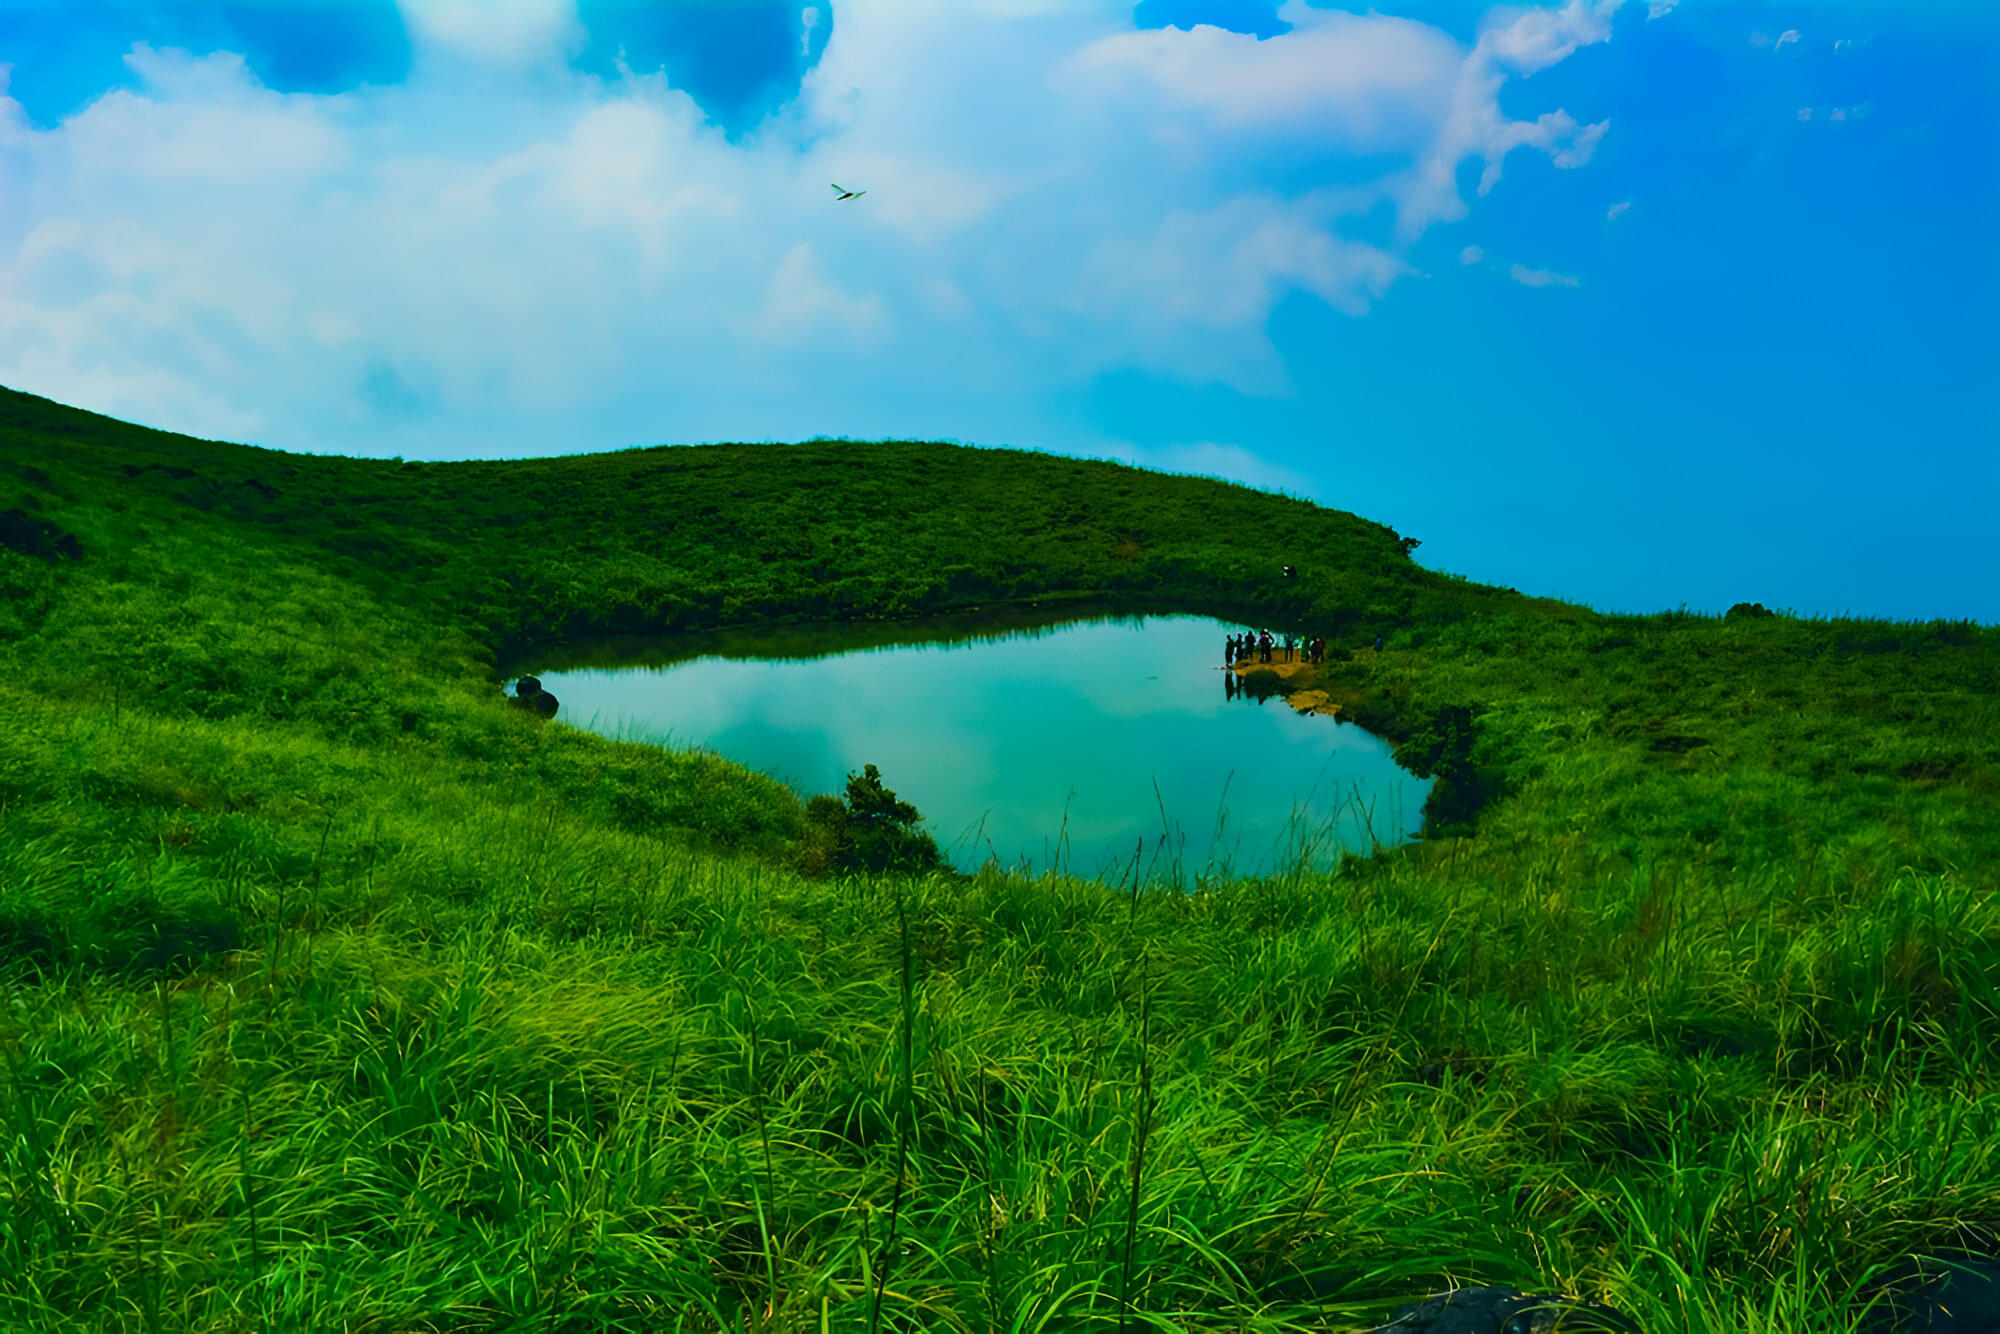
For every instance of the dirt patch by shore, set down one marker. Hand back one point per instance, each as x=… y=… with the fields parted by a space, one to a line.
x=1297 y=682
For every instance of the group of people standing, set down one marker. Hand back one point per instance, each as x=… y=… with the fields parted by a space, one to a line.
x=1258 y=646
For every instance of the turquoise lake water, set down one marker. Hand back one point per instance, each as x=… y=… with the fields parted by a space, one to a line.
x=1094 y=747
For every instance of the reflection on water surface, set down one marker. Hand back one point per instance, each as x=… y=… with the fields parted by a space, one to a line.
x=1094 y=746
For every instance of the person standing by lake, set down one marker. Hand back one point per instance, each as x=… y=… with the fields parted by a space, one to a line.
x=1229 y=653
x=1264 y=646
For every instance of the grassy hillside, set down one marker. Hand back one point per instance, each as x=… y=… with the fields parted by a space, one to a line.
x=340 y=995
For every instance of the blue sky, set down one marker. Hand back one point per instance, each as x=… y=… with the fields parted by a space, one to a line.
x=1641 y=305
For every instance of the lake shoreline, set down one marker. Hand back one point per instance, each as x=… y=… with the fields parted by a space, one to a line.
x=984 y=735
x=1300 y=684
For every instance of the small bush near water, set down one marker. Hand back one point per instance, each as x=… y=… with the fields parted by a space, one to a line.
x=870 y=831
x=336 y=994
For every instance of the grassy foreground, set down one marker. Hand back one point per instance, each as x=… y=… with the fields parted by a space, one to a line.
x=337 y=995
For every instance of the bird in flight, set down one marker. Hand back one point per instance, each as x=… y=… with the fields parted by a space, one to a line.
x=847 y=194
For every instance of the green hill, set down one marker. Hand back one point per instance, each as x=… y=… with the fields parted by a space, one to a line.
x=340 y=995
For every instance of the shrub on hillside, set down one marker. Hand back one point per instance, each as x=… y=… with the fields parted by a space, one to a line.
x=870 y=831
x=1441 y=750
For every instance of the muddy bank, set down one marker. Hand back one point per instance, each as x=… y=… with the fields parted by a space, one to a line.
x=1299 y=684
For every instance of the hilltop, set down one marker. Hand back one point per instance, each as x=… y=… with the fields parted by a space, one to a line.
x=344 y=996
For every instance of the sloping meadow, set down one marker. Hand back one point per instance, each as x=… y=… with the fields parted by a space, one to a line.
x=340 y=995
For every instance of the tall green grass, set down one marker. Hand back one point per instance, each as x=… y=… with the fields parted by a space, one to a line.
x=1353 y=1087
x=335 y=994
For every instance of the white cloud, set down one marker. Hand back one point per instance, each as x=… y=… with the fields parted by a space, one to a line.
x=331 y=328
x=944 y=297
x=1372 y=81
x=1578 y=150
x=1524 y=41
x=1534 y=39
x=230 y=131
x=1472 y=254
x=1785 y=38
x=513 y=256
x=1659 y=9
x=504 y=33
x=1805 y=113
x=1207 y=458
x=1611 y=214
x=1222 y=269
x=1528 y=277
x=800 y=301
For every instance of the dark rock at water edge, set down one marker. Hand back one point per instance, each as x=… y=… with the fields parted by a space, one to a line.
x=529 y=695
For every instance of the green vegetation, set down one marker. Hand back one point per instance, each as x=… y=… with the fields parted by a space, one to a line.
x=870 y=831
x=339 y=995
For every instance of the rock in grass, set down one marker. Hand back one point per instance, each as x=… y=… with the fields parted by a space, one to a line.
x=31 y=536
x=529 y=695
x=1500 y=1310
